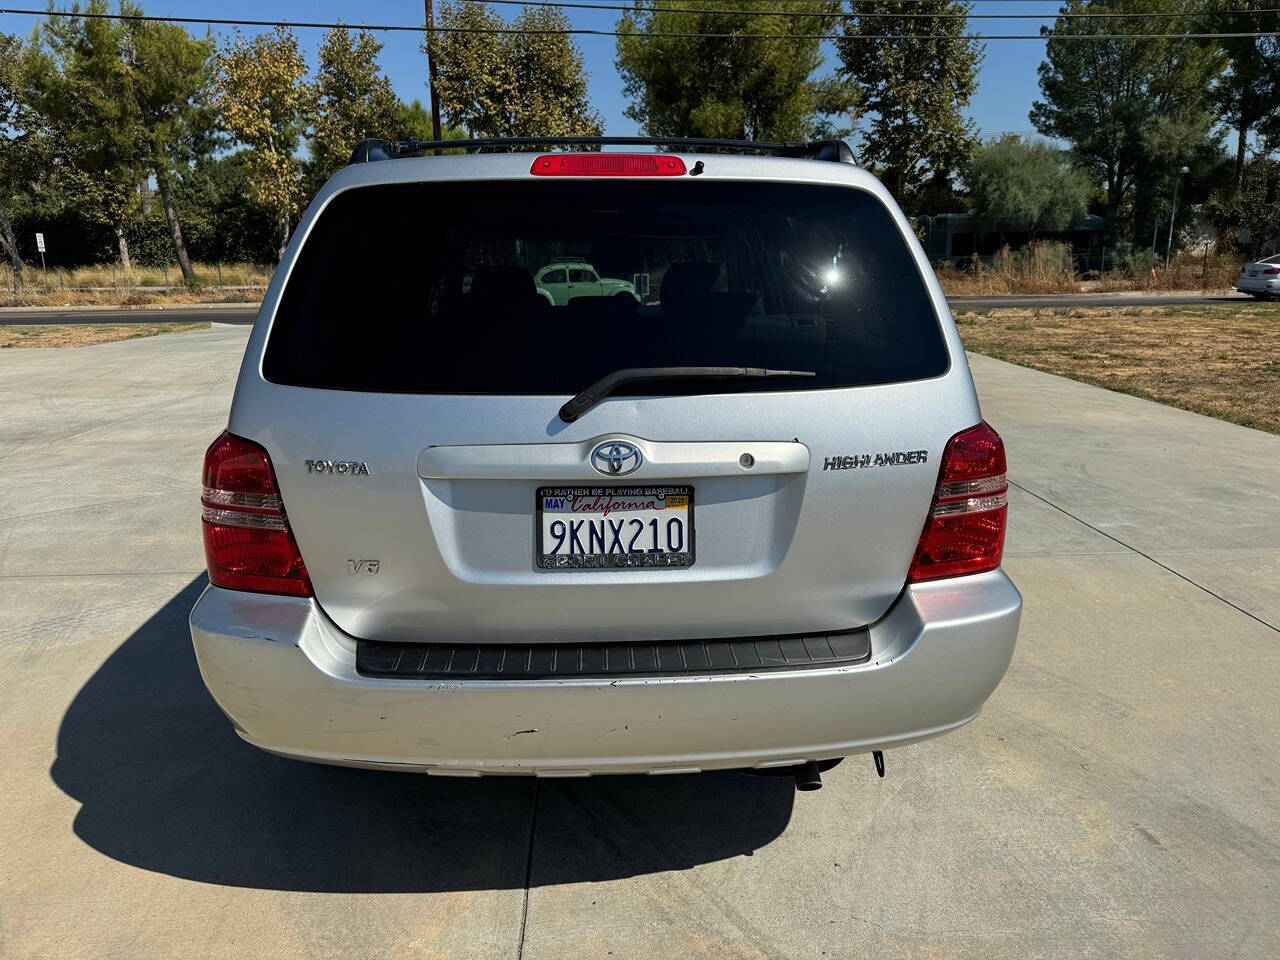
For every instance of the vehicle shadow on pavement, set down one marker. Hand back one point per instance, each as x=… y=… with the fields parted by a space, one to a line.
x=166 y=785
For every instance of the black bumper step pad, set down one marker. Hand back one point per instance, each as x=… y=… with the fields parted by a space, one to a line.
x=553 y=661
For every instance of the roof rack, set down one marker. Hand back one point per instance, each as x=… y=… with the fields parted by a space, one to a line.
x=375 y=149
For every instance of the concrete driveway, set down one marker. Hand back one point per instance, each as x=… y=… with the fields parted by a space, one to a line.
x=1120 y=796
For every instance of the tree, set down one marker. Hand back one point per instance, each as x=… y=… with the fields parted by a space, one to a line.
x=81 y=87
x=1254 y=208
x=171 y=77
x=261 y=96
x=349 y=100
x=1132 y=110
x=1269 y=134
x=1248 y=93
x=18 y=138
x=522 y=84
x=914 y=77
x=1260 y=202
x=413 y=122
x=1028 y=184
x=125 y=100
x=748 y=86
x=227 y=223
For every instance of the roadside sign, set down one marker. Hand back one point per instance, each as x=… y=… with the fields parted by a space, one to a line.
x=40 y=242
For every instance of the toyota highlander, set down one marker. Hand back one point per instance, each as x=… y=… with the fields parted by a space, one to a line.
x=752 y=520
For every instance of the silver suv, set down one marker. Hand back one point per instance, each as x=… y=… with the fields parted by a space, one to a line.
x=751 y=519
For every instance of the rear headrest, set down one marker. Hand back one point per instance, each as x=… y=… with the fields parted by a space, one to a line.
x=591 y=310
x=506 y=281
x=687 y=280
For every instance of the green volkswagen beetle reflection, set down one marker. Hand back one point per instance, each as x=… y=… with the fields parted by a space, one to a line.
x=563 y=279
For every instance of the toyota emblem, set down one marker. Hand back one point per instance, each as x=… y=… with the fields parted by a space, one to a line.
x=616 y=458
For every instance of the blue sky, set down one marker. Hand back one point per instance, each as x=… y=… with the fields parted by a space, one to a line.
x=1006 y=83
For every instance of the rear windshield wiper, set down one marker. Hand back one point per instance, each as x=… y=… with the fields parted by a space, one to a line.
x=606 y=385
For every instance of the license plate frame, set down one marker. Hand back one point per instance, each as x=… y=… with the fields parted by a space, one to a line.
x=609 y=561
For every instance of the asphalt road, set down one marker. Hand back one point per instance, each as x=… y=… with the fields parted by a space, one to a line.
x=245 y=314
x=1118 y=798
x=193 y=313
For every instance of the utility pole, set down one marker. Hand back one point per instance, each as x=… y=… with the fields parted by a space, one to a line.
x=1173 y=213
x=431 y=75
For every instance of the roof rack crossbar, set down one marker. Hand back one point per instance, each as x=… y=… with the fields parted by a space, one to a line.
x=377 y=149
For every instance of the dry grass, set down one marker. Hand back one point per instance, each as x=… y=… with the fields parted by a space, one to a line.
x=127 y=298
x=109 y=285
x=1185 y=273
x=1041 y=268
x=85 y=335
x=1219 y=361
x=1038 y=268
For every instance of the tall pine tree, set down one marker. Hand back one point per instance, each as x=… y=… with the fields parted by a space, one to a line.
x=914 y=76
x=757 y=83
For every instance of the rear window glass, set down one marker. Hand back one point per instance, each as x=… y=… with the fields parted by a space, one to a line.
x=432 y=288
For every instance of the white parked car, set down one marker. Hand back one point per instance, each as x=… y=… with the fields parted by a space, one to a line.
x=1262 y=279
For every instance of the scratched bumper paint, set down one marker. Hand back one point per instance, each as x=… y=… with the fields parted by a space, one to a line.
x=286 y=677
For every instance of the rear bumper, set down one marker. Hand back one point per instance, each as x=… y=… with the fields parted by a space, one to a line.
x=1259 y=285
x=286 y=677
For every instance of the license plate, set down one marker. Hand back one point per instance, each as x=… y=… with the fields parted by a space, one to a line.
x=606 y=528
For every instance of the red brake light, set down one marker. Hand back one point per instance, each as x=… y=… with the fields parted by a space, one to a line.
x=1271 y=270
x=607 y=165
x=964 y=532
x=247 y=541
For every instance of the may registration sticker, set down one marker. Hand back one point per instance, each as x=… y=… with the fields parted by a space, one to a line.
x=604 y=528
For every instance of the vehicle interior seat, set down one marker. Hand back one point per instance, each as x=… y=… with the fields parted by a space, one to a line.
x=596 y=311
x=505 y=295
x=704 y=318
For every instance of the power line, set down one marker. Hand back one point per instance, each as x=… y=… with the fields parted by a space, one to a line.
x=589 y=5
x=909 y=2
x=845 y=15
x=671 y=35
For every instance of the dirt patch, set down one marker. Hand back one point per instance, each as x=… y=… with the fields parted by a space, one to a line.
x=84 y=335
x=1219 y=361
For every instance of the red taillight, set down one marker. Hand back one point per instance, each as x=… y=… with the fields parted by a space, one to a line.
x=247 y=541
x=607 y=165
x=1271 y=271
x=964 y=532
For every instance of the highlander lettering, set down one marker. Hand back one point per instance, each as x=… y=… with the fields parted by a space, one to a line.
x=886 y=459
